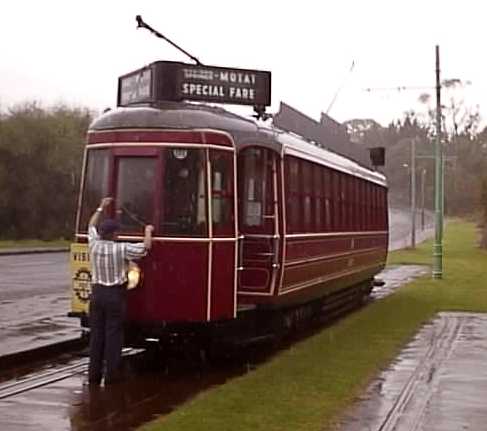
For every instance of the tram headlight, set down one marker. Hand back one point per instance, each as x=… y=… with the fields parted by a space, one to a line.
x=134 y=275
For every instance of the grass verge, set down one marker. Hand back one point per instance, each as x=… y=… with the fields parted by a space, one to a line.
x=308 y=386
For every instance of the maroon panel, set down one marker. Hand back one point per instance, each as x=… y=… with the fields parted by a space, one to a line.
x=312 y=258
x=297 y=249
x=174 y=288
x=144 y=136
x=223 y=281
x=136 y=151
x=217 y=139
x=257 y=263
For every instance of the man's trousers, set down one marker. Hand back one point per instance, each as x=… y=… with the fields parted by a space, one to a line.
x=107 y=315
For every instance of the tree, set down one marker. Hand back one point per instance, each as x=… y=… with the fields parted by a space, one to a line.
x=40 y=163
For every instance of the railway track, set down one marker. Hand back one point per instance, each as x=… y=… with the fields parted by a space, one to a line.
x=418 y=389
x=27 y=383
x=26 y=357
x=43 y=378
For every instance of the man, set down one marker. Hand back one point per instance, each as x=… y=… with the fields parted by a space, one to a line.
x=109 y=261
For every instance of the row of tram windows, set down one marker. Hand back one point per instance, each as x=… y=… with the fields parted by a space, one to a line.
x=164 y=187
x=321 y=199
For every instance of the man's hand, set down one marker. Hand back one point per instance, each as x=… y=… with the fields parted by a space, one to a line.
x=96 y=215
x=148 y=236
x=105 y=202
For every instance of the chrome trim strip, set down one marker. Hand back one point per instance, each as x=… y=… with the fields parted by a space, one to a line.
x=167 y=238
x=284 y=223
x=259 y=236
x=209 y=202
x=235 y=217
x=329 y=234
x=81 y=188
x=255 y=293
x=276 y=240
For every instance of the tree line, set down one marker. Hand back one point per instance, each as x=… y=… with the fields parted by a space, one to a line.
x=464 y=145
x=41 y=151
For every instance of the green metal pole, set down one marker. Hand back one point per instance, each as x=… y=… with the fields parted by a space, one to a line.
x=438 y=245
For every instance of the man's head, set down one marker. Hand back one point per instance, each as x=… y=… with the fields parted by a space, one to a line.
x=108 y=229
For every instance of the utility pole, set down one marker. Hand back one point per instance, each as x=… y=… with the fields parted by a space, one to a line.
x=438 y=245
x=423 y=180
x=413 y=193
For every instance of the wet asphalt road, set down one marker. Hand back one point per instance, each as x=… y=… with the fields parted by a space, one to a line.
x=34 y=300
x=27 y=275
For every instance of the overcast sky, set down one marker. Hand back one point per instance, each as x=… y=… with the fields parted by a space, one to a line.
x=73 y=52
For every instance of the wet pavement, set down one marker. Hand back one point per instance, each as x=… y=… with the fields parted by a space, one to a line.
x=70 y=404
x=437 y=383
x=395 y=276
x=34 y=301
x=35 y=322
x=33 y=274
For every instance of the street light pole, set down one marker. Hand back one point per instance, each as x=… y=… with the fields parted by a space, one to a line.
x=413 y=193
x=438 y=245
x=423 y=181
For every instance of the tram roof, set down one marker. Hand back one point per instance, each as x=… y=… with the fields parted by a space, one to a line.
x=244 y=131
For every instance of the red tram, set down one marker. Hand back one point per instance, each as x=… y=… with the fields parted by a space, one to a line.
x=249 y=220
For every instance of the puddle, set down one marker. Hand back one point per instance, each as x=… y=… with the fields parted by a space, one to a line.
x=395 y=276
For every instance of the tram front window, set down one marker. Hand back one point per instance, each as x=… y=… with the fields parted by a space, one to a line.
x=135 y=192
x=95 y=183
x=184 y=193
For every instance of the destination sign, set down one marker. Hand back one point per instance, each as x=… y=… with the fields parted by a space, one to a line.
x=172 y=81
x=135 y=87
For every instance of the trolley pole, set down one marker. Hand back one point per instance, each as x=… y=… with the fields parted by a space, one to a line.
x=438 y=245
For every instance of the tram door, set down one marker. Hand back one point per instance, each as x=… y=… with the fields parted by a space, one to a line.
x=258 y=221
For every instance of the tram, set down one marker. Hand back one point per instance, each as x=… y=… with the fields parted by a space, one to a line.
x=252 y=224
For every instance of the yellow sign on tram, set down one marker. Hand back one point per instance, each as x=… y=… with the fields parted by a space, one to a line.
x=80 y=278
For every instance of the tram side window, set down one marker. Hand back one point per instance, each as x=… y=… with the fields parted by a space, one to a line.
x=184 y=193
x=327 y=186
x=362 y=204
x=318 y=197
x=95 y=184
x=293 y=203
x=337 y=215
x=306 y=177
x=376 y=212
x=222 y=196
x=135 y=192
x=256 y=189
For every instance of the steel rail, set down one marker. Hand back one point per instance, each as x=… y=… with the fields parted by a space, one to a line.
x=34 y=381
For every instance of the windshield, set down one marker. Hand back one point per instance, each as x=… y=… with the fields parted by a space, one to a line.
x=184 y=191
x=95 y=184
x=168 y=189
x=135 y=192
